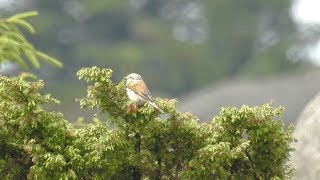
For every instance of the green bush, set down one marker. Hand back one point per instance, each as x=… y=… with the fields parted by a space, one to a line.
x=245 y=143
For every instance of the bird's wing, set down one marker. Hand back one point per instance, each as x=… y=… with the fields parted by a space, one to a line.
x=141 y=90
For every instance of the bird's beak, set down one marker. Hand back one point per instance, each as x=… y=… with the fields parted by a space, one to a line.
x=125 y=78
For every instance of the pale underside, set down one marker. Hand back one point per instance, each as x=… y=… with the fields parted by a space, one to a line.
x=133 y=96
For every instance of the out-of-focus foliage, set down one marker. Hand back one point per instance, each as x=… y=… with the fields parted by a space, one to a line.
x=15 y=47
x=251 y=37
x=36 y=144
x=177 y=46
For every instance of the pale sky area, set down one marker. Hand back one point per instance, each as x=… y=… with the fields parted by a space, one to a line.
x=307 y=12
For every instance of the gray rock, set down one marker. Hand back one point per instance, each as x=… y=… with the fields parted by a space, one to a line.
x=291 y=91
x=306 y=159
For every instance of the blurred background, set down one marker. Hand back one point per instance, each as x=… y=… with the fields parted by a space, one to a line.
x=207 y=54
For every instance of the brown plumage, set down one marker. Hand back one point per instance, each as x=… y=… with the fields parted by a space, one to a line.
x=138 y=92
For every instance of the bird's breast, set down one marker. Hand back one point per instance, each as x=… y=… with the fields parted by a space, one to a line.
x=132 y=95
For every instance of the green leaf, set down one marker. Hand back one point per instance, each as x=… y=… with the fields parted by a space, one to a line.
x=32 y=58
x=17 y=59
x=22 y=15
x=49 y=59
x=15 y=36
x=8 y=41
x=24 y=24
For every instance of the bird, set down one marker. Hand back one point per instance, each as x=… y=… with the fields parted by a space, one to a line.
x=138 y=92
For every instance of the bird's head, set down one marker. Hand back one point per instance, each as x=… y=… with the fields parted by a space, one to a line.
x=133 y=77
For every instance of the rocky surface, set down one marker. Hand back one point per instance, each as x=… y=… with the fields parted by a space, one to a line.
x=293 y=92
x=306 y=159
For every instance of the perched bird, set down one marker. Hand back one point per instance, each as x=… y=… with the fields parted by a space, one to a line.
x=138 y=92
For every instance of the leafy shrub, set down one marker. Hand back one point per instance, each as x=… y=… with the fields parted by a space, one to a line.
x=245 y=142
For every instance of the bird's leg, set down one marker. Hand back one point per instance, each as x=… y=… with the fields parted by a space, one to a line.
x=131 y=108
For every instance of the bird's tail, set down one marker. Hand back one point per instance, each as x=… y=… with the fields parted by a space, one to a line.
x=156 y=106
